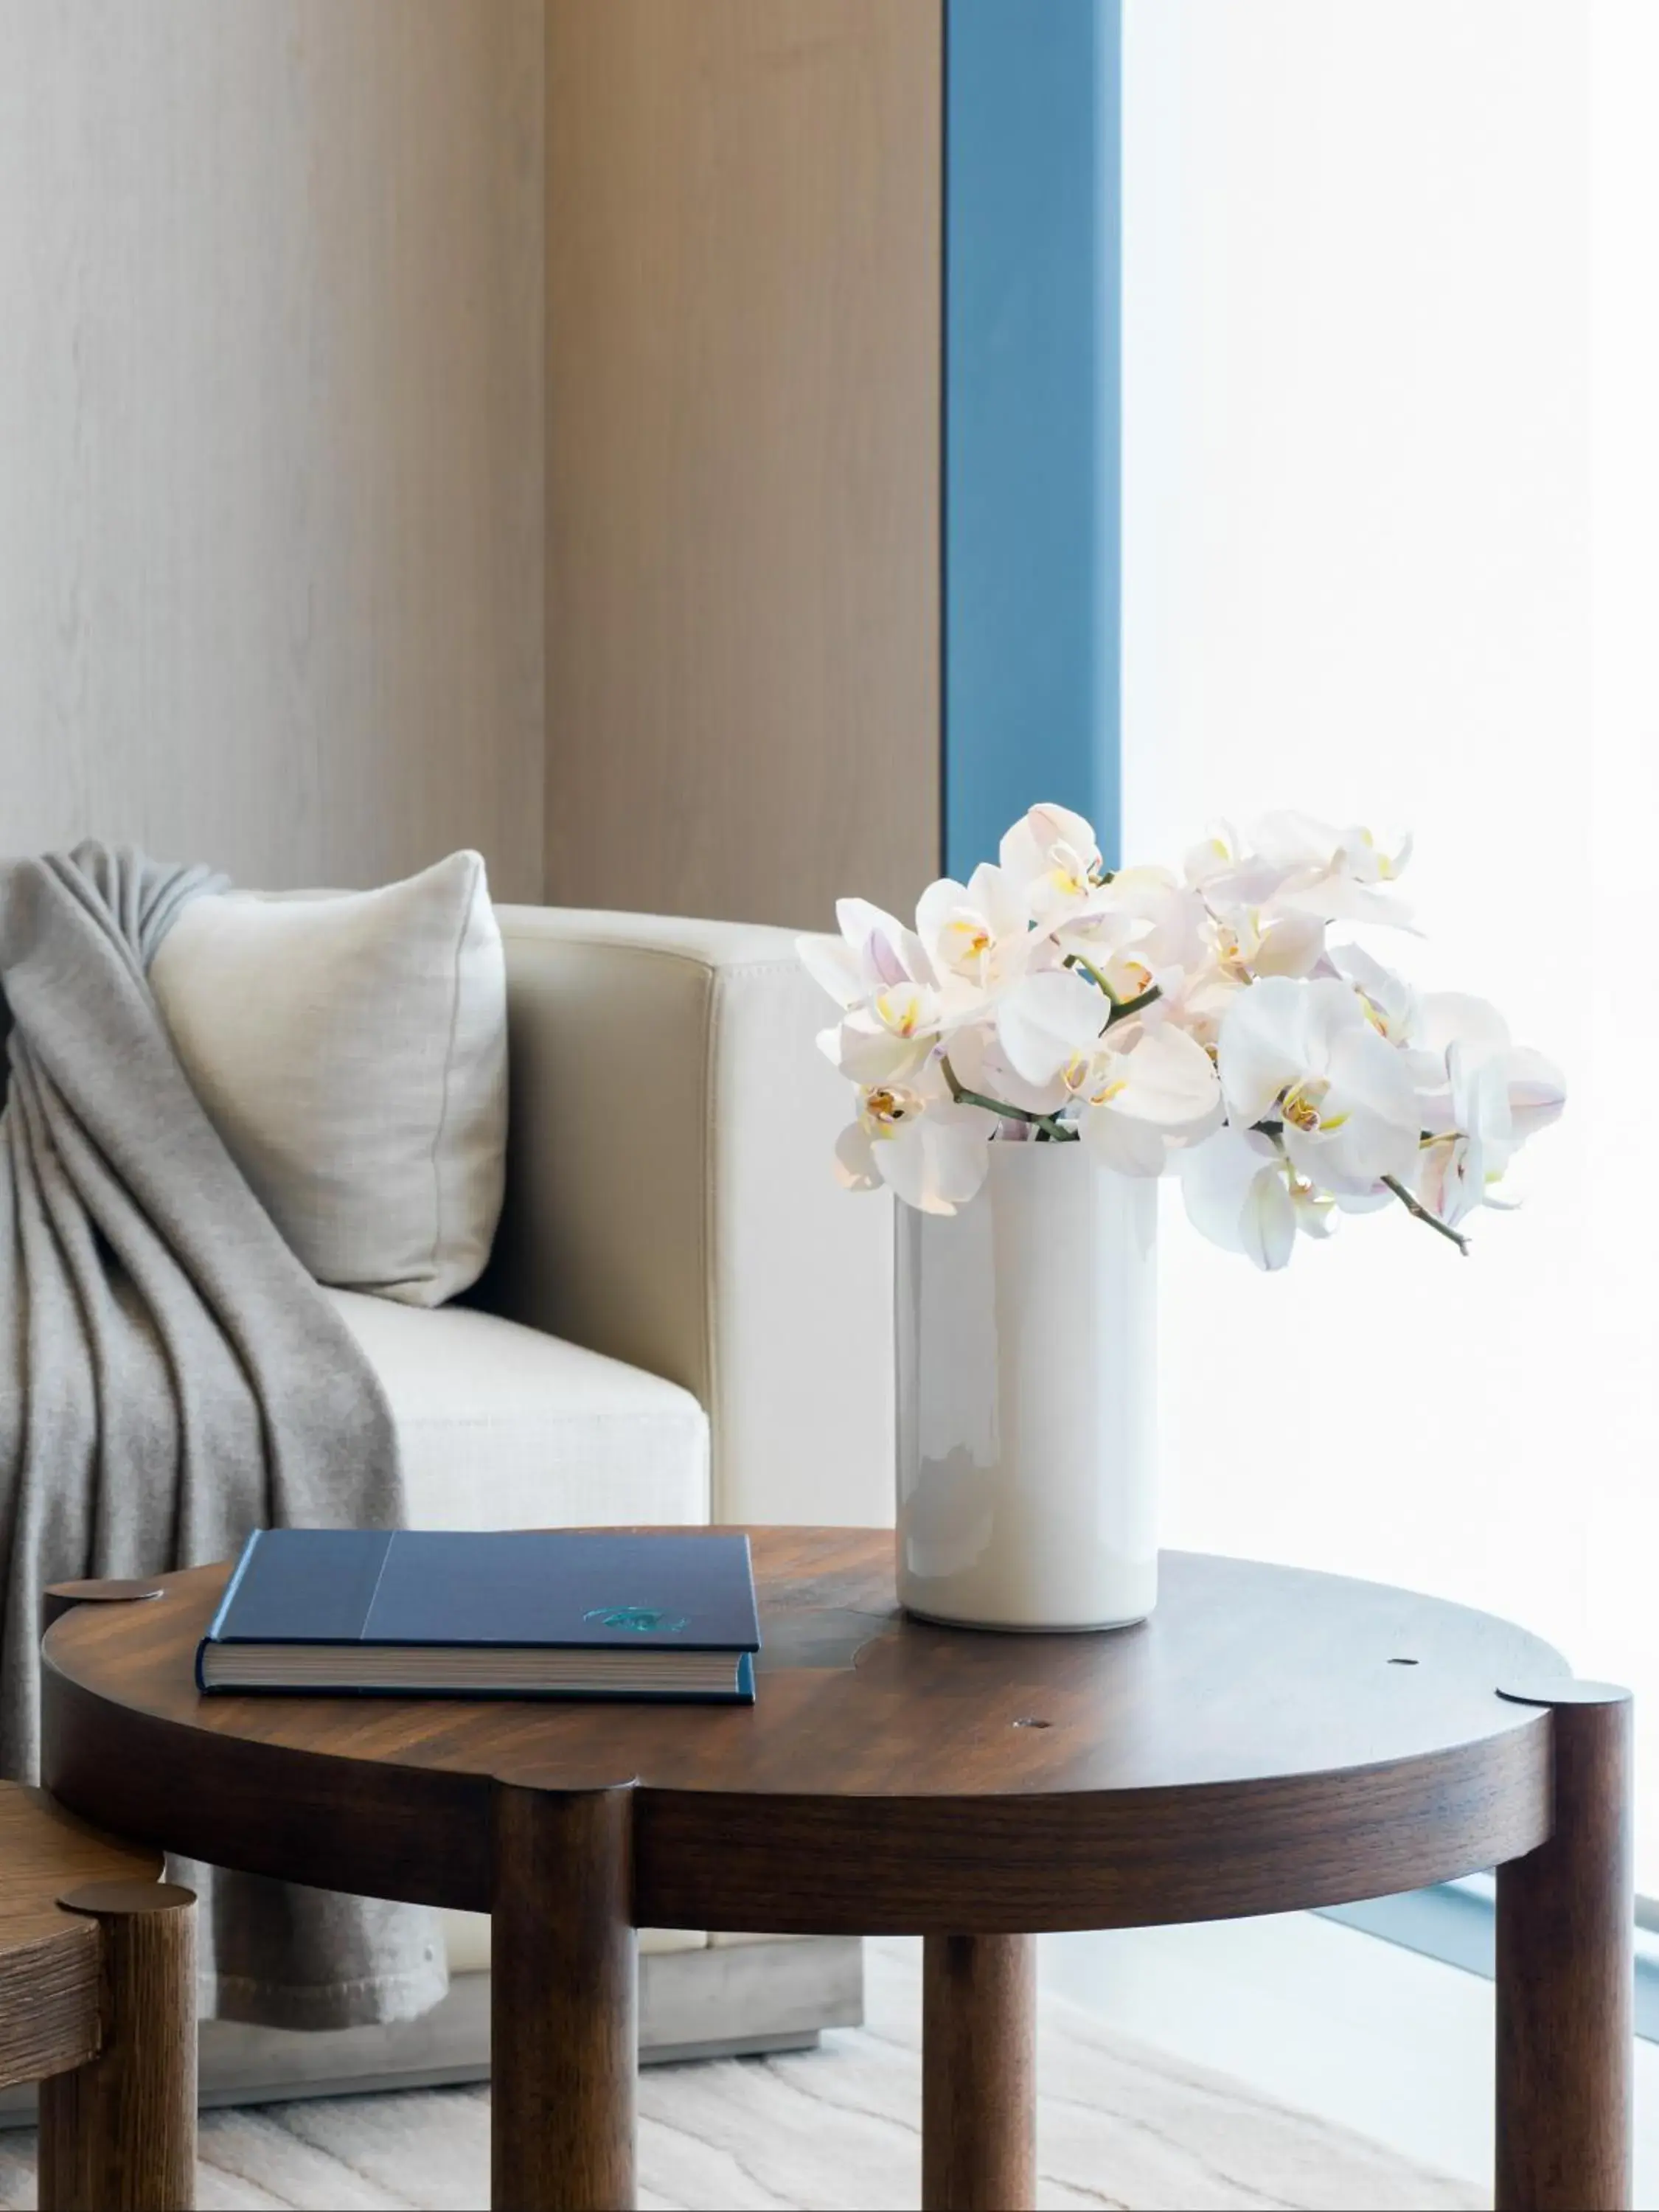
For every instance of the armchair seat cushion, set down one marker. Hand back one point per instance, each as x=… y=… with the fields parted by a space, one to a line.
x=501 y=1427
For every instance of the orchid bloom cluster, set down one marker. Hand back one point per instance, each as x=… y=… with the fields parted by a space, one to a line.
x=1203 y=1023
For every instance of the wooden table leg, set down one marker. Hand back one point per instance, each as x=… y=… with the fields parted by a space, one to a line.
x=1565 y=1971
x=563 y=1980
x=119 y=2134
x=978 y=2073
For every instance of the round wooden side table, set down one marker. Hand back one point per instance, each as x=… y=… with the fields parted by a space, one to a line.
x=1269 y=1739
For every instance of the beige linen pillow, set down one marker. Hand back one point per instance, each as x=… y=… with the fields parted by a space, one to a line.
x=351 y=1049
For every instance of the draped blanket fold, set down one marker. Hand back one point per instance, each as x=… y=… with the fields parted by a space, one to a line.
x=170 y=1377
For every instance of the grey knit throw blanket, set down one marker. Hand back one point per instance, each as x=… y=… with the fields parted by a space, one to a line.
x=170 y=1377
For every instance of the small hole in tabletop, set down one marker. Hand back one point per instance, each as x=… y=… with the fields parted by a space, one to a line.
x=1028 y=1722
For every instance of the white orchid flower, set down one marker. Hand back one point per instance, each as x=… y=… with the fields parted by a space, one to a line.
x=1141 y=1100
x=1048 y=1019
x=1236 y=1193
x=1368 y=862
x=974 y=933
x=1489 y=1097
x=1296 y=864
x=1456 y=1171
x=1452 y=1021
x=978 y=1064
x=1388 y=1001
x=1247 y=942
x=1297 y=841
x=1052 y=859
x=1141 y=931
x=1218 y=855
x=1244 y=1195
x=1229 y=873
x=889 y=1037
x=1201 y=1018
x=875 y=952
x=1303 y=1055
x=931 y=1151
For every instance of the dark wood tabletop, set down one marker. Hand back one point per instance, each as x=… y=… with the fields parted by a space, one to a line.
x=1269 y=1739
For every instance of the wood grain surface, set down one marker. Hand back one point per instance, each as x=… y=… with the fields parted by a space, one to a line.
x=49 y=1959
x=1567 y=1919
x=744 y=279
x=1256 y=1747
x=270 y=515
x=98 y=2004
x=978 y=2073
x=563 y=1996
x=119 y=2133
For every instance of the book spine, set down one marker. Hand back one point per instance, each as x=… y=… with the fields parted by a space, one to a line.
x=217 y=1622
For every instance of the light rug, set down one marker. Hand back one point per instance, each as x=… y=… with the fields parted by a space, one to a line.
x=1118 y=2124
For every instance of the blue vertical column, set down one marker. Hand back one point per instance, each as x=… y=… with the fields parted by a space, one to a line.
x=1031 y=416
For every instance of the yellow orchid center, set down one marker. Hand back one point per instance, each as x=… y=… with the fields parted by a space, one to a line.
x=1069 y=873
x=1235 y=950
x=887 y=1107
x=1301 y=1104
x=968 y=939
x=901 y=1014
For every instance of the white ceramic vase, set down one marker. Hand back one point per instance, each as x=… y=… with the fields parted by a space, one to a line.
x=1027 y=1383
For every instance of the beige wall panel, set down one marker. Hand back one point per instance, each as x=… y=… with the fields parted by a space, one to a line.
x=270 y=416
x=742 y=233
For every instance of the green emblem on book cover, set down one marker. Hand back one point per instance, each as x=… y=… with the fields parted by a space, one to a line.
x=642 y=1619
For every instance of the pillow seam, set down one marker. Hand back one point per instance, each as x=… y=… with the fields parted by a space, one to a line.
x=449 y=1062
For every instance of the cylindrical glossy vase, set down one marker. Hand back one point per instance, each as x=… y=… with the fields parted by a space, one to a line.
x=1027 y=1383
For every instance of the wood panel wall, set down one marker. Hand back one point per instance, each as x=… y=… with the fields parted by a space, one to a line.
x=271 y=431
x=744 y=210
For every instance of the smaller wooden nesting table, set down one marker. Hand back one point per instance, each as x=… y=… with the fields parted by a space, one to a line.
x=1269 y=1739
x=98 y=2004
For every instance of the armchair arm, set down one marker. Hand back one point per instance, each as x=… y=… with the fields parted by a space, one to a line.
x=671 y=1198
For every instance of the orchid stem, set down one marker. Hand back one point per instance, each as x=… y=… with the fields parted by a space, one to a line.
x=1045 y=1124
x=1122 y=1008
x=1076 y=960
x=1418 y=1211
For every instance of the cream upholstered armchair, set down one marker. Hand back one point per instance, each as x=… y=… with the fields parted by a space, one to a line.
x=685 y=1319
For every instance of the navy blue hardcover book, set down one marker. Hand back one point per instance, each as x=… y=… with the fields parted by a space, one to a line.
x=516 y=1613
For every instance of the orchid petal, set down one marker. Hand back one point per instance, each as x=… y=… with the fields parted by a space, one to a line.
x=855 y=1169
x=1266 y=1226
x=1260 y=1047
x=1450 y=1017
x=1170 y=1079
x=1537 y=1089
x=834 y=966
x=1048 y=1019
x=1215 y=1180
x=1334 y=895
x=869 y=1053
x=1290 y=947
x=859 y=921
x=1025 y=849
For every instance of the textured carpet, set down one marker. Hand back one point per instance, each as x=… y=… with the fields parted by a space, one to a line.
x=1118 y=2126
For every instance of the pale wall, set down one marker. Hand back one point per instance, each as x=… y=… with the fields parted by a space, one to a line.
x=743 y=308
x=271 y=431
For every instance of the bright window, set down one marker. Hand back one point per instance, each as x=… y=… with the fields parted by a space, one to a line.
x=1389 y=519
